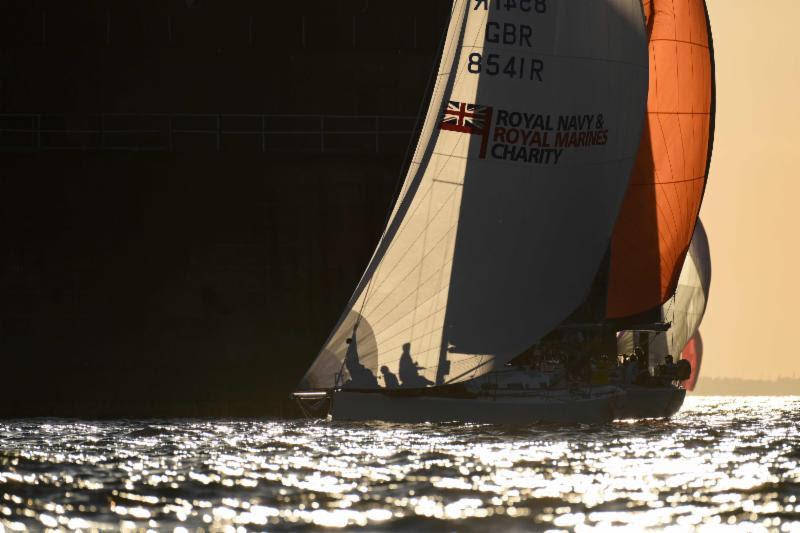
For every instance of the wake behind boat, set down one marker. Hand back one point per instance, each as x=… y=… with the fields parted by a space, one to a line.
x=545 y=218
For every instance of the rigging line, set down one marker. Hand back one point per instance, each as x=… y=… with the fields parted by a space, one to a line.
x=473 y=371
x=422 y=111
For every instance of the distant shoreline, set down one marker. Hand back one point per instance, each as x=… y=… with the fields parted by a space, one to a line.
x=747 y=387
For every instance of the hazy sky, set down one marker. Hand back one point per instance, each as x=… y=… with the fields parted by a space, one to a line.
x=752 y=206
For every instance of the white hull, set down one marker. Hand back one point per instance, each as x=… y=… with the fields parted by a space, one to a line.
x=563 y=408
x=502 y=409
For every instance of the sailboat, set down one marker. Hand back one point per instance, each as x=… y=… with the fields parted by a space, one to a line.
x=549 y=205
x=684 y=312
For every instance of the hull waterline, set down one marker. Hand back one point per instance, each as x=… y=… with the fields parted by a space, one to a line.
x=632 y=404
x=649 y=402
x=358 y=406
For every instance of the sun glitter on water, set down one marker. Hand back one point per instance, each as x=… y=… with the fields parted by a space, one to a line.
x=720 y=462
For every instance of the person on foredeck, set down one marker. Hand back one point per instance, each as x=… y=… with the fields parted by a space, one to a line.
x=360 y=376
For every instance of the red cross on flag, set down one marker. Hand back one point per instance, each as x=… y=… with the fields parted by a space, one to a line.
x=473 y=119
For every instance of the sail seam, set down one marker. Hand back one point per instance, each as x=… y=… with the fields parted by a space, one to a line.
x=686 y=172
x=411 y=245
x=443 y=165
x=402 y=226
x=669 y=160
x=679 y=113
x=649 y=183
x=432 y=297
x=691 y=43
x=454 y=49
x=418 y=265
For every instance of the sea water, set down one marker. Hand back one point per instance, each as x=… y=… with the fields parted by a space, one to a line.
x=719 y=463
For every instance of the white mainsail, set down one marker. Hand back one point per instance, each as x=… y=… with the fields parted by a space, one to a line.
x=509 y=203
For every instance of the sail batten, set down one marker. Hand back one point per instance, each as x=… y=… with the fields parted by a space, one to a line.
x=510 y=200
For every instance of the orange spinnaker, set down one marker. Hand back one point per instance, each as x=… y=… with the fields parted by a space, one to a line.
x=660 y=208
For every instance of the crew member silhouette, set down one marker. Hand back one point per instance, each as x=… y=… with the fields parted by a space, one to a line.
x=390 y=380
x=409 y=371
x=360 y=376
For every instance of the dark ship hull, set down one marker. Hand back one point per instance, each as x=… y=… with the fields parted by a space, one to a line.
x=159 y=263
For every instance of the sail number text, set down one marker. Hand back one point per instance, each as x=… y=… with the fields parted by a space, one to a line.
x=517 y=67
x=526 y=6
x=506 y=35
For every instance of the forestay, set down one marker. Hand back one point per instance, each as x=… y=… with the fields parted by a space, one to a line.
x=509 y=203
